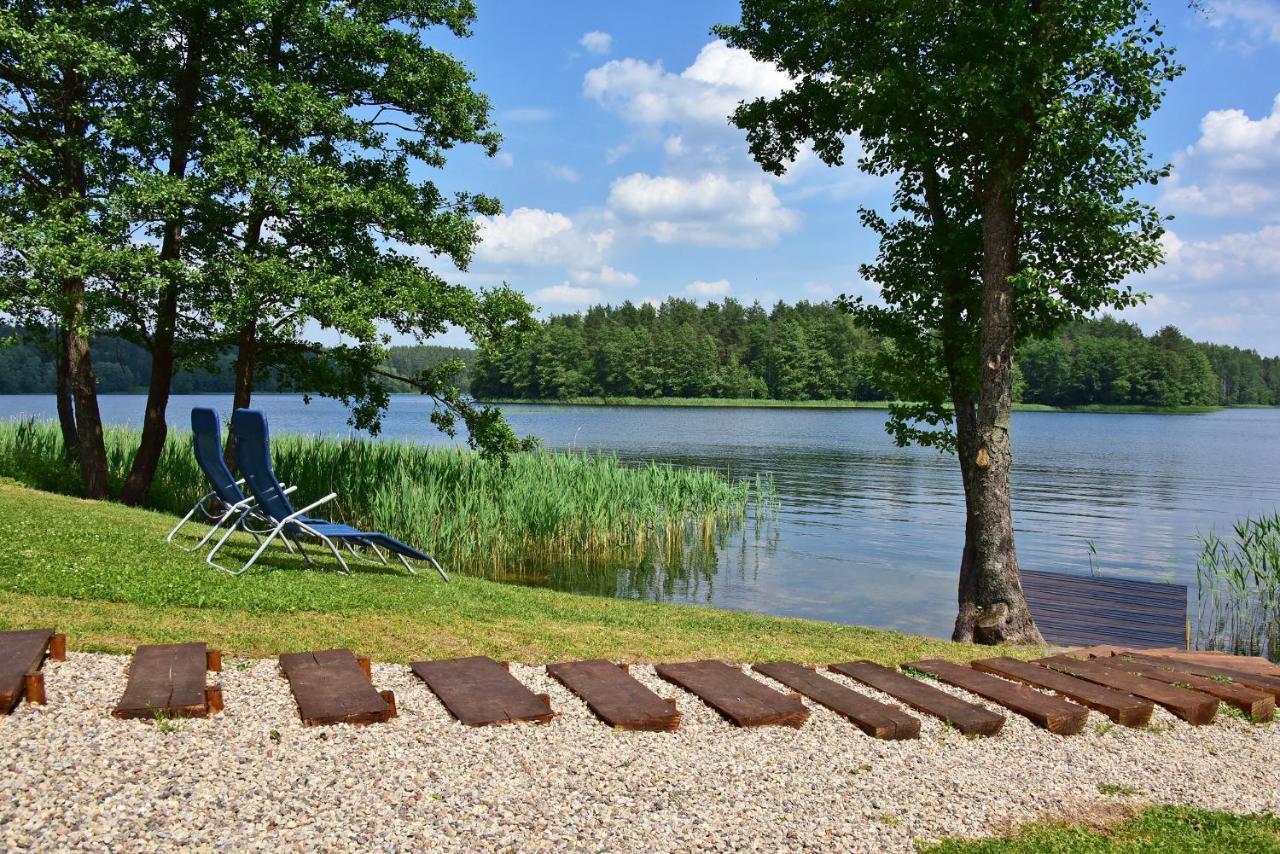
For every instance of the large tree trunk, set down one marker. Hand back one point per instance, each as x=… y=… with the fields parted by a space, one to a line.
x=65 y=398
x=992 y=606
x=246 y=367
x=155 y=428
x=91 y=446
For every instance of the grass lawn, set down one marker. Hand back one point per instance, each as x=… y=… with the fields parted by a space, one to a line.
x=1157 y=829
x=102 y=573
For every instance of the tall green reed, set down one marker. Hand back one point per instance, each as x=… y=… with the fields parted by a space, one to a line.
x=1238 y=580
x=478 y=516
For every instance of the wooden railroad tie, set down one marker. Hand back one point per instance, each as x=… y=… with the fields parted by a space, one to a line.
x=1052 y=713
x=1225 y=670
x=876 y=719
x=169 y=680
x=1124 y=709
x=969 y=718
x=615 y=696
x=1258 y=705
x=331 y=687
x=22 y=655
x=735 y=695
x=1192 y=706
x=479 y=691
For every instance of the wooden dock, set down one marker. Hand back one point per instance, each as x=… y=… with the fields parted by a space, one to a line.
x=1081 y=610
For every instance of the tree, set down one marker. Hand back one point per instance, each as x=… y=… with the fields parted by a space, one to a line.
x=1012 y=130
x=61 y=78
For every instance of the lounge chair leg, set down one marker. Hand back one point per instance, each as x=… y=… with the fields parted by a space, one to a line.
x=439 y=568
x=412 y=571
x=304 y=554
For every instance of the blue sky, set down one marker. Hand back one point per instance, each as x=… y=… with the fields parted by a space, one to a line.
x=621 y=178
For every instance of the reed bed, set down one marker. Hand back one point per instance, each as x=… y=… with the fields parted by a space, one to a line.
x=478 y=516
x=1239 y=589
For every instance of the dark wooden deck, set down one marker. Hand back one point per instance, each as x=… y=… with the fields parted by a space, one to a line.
x=479 y=691
x=169 y=679
x=1079 y=610
x=22 y=654
x=615 y=696
x=331 y=687
x=736 y=696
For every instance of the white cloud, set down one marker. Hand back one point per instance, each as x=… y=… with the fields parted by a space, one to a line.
x=712 y=209
x=1260 y=19
x=704 y=93
x=596 y=42
x=505 y=159
x=706 y=290
x=566 y=295
x=1232 y=168
x=606 y=276
x=1240 y=256
x=532 y=236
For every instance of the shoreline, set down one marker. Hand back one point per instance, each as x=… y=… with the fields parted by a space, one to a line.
x=882 y=405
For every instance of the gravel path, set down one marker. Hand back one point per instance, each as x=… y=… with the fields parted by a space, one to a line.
x=255 y=778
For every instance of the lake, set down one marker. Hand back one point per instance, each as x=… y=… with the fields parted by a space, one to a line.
x=868 y=533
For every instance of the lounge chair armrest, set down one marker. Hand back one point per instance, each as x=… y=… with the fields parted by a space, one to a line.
x=295 y=514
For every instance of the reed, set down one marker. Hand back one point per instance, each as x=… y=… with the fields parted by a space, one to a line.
x=1238 y=581
x=479 y=516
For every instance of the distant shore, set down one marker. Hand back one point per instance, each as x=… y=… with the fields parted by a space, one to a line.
x=751 y=403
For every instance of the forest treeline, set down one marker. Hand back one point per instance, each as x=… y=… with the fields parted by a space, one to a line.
x=816 y=351
x=27 y=367
x=806 y=351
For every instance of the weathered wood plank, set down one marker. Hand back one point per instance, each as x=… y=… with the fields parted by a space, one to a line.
x=1084 y=611
x=1258 y=682
x=1258 y=705
x=876 y=719
x=1124 y=709
x=615 y=696
x=21 y=652
x=330 y=688
x=166 y=679
x=970 y=719
x=479 y=691
x=1055 y=714
x=735 y=695
x=1192 y=706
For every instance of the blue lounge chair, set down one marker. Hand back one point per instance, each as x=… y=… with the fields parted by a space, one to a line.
x=253 y=458
x=227 y=500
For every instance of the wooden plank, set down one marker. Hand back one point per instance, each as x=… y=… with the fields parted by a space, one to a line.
x=1258 y=705
x=735 y=695
x=330 y=688
x=1085 y=611
x=876 y=719
x=479 y=691
x=166 y=679
x=1257 y=682
x=1192 y=706
x=615 y=696
x=1055 y=714
x=1124 y=709
x=970 y=719
x=21 y=652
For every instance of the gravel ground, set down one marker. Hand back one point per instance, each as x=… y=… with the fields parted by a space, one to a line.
x=254 y=778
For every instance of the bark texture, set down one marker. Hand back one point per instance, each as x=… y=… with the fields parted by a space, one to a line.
x=992 y=606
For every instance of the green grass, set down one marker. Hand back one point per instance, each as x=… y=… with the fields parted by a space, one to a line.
x=1156 y=830
x=102 y=573
x=755 y=403
x=484 y=516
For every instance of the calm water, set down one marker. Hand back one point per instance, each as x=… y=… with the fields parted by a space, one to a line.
x=869 y=533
